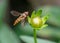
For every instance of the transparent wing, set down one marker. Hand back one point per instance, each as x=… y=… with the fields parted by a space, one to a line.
x=23 y=23
x=15 y=13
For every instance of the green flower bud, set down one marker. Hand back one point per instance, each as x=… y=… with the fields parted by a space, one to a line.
x=36 y=22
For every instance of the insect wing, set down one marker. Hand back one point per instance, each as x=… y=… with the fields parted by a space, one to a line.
x=15 y=13
x=23 y=23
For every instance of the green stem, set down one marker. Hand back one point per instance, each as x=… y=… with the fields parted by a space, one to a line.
x=35 y=40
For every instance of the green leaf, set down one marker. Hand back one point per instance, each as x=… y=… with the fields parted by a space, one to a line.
x=33 y=14
x=44 y=19
x=29 y=19
x=45 y=25
x=29 y=39
x=38 y=13
x=7 y=35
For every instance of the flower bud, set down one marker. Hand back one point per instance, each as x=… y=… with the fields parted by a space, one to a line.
x=36 y=22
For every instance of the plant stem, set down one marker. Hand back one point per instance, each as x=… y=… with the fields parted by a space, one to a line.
x=35 y=40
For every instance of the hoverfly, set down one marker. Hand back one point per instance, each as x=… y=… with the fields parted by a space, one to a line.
x=22 y=17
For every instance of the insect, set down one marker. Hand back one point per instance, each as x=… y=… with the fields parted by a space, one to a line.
x=22 y=17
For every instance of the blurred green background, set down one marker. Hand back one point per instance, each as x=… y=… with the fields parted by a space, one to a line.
x=19 y=34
